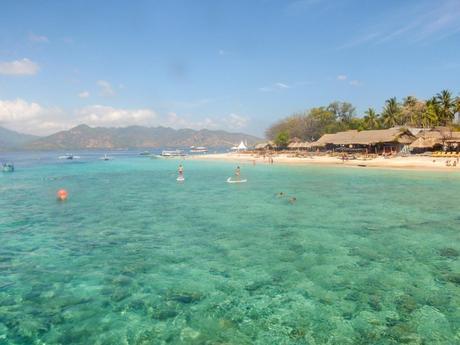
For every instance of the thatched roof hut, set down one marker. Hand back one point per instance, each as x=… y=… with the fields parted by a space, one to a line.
x=425 y=143
x=366 y=138
x=265 y=146
x=438 y=136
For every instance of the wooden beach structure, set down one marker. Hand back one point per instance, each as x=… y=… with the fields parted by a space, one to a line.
x=380 y=141
x=436 y=139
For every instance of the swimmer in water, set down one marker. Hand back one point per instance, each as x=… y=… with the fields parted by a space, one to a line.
x=292 y=200
x=280 y=194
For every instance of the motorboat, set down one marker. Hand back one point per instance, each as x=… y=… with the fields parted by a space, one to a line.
x=105 y=158
x=198 y=149
x=7 y=167
x=173 y=153
x=144 y=153
x=69 y=156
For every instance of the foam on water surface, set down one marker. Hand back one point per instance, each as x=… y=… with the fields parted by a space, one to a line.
x=133 y=257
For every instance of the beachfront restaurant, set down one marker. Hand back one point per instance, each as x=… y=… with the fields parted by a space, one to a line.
x=436 y=139
x=381 y=141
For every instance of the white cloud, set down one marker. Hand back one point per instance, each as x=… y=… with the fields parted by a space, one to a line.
x=100 y=115
x=416 y=22
x=84 y=94
x=282 y=85
x=38 y=38
x=106 y=88
x=18 y=110
x=236 y=121
x=274 y=87
x=30 y=117
x=355 y=83
x=175 y=121
x=342 y=77
x=34 y=118
x=232 y=121
x=18 y=67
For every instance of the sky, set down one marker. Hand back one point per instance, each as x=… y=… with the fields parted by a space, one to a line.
x=237 y=65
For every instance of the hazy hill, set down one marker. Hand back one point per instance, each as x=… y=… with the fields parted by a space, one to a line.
x=11 y=139
x=85 y=137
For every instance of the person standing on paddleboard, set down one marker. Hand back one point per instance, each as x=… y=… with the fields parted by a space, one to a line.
x=181 y=171
x=237 y=173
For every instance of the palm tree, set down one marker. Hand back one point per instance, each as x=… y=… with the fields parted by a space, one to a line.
x=371 y=120
x=446 y=106
x=457 y=108
x=409 y=111
x=430 y=116
x=391 y=113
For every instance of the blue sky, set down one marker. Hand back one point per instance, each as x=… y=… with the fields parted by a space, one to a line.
x=236 y=65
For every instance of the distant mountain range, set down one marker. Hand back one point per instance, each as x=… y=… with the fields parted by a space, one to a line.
x=10 y=139
x=85 y=137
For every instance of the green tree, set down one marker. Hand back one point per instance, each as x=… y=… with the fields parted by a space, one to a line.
x=446 y=106
x=343 y=111
x=282 y=139
x=392 y=113
x=429 y=117
x=412 y=111
x=371 y=119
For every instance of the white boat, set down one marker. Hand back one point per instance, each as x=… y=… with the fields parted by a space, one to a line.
x=198 y=149
x=105 y=158
x=7 y=167
x=172 y=153
x=69 y=156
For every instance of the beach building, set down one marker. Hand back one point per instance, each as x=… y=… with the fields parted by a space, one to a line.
x=269 y=145
x=436 y=139
x=392 y=140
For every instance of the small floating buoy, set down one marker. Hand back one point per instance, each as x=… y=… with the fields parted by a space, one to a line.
x=62 y=195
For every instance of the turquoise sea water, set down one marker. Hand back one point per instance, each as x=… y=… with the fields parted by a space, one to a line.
x=134 y=257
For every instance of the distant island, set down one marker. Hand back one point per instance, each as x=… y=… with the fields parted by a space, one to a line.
x=85 y=137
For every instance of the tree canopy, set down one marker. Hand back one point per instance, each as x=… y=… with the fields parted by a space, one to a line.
x=440 y=110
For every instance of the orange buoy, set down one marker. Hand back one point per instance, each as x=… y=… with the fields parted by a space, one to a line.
x=62 y=195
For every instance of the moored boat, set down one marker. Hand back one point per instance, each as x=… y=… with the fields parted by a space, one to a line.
x=105 y=158
x=198 y=149
x=7 y=167
x=69 y=156
x=172 y=153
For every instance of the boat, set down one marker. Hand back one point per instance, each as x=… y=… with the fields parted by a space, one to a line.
x=229 y=180
x=69 y=156
x=144 y=153
x=154 y=156
x=172 y=153
x=198 y=149
x=7 y=167
x=105 y=158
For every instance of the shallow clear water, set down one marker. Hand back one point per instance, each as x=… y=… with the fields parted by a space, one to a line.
x=133 y=257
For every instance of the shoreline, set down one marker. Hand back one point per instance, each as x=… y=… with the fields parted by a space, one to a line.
x=418 y=163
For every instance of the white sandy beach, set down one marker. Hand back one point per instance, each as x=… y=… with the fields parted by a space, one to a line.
x=410 y=162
